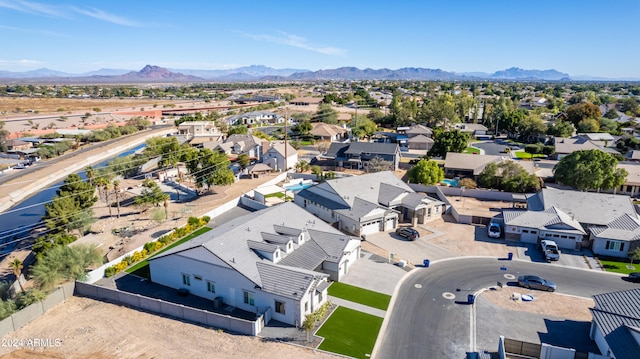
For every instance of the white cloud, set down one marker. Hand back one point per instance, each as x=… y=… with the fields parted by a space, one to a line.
x=296 y=41
x=105 y=16
x=33 y=8
x=61 y=11
x=34 y=31
x=21 y=63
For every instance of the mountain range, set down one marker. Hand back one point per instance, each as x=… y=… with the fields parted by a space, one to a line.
x=150 y=74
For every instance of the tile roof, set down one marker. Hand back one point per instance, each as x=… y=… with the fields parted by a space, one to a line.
x=617 y=314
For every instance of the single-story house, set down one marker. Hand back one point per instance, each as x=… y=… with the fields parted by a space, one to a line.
x=471 y=165
x=473 y=129
x=329 y=132
x=631 y=185
x=616 y=238
x=370 y=203
x=565 y=146
x=258 y=169
x=568 y=216
x=420 y=142
x=274 y=262
x=356 y=155
x=18 y=145
x=615 y=327
x=416 y=130
x=533 y=226
x=306 y=101
x=276 y=157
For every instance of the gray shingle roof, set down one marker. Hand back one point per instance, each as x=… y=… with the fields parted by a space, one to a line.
x=585 y=207
x=307 y=256
x=367 y=186
x=618 y=316
x=421 y=139
x=388 y=193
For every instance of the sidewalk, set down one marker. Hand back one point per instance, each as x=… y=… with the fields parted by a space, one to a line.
x=357 y=306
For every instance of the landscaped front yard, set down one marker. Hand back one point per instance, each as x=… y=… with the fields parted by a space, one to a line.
x=623 y=267
x=350 y=332
x=525 y=155
x=142 y=268
x=359 y=295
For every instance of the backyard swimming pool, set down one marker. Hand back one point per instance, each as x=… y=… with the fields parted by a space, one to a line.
x=298 y=186
x=450 y=182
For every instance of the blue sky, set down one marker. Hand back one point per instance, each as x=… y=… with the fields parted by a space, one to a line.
x=579 y=37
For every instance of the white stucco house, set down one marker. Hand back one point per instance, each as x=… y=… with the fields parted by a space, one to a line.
x=567 y=217
x=275 y=262
x=277 y=158
x=370 y=203
x=616 y=238
x=615 y=327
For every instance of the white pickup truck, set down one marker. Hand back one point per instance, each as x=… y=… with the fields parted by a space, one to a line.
x=550 y=250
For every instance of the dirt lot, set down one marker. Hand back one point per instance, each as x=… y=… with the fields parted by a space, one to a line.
x=112 y=331
x=60 y=106
x=550 y=304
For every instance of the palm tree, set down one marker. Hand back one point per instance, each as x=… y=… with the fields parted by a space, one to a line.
x=116 y=188
x=90 y=173
x=107 y=185
x=166 y=207
x=16 y=266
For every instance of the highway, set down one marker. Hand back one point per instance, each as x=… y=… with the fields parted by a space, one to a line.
x=431 y=318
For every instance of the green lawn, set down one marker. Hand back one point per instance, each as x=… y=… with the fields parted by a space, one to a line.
x=279 y=195
x=349 y=332
x=471 y=150
x=359 y=295
x=619 y=266
x=524 y=155
x=142 y=268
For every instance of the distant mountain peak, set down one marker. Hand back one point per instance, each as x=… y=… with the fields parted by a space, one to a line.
x=516 y=73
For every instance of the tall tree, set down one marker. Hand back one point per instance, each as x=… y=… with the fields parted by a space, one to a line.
x=589 y=170
x=151 y=194
x=561 y=129
x=531 y=127
x=326 y=114
x=583 y=111
x=116 y=189
x=16 y=268
x=439 y=111
x=426 y=172
x=448 y=141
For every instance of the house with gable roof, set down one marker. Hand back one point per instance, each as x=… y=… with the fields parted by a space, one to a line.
x=370 y=203
x=255 y=118
x=238 y=144
x=274 y=261
x=276 y=157
x=356 y=155
x=615 y=326
x=617 y=238
x=567 y=217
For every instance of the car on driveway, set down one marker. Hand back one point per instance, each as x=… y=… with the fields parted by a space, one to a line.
x=536 y=282
x=409 y=233
x=494 y=230
x=634 y=277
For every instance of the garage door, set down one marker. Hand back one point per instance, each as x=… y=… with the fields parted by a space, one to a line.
x=369 y=228
x=391 y=224
x=563 y=241
x=529 y=236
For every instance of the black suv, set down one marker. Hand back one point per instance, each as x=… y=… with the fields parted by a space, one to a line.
x=408 y=233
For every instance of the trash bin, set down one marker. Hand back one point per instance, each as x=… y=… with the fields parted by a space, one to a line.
x=510 y=256
x=471 y=298
x=426 y=263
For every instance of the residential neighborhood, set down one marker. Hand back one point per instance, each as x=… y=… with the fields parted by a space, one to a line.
x=281 y=213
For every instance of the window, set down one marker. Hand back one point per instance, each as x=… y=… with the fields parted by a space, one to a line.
x=615 y=246
x=276 y=254
x=563 y=236
x=248 y=298
x=319 y=297
x=279 y=307
x=525 y=231
x=306 y=307
x=186 y=279
x=211 y=287
x=197 y=277
x=534 y=232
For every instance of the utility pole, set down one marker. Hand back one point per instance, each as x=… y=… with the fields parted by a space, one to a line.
x=286 y=119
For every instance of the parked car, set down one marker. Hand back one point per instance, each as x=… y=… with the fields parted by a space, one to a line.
x=536 y=282
x=494 y=230
x=550 y=250
x=409 y=233
x=634 y=277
